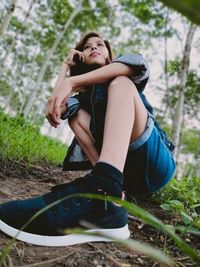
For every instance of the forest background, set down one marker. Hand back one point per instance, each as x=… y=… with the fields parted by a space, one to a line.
x=39 y=35
x=35 y=38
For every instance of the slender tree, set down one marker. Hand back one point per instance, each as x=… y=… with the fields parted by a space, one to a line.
x=15 y=38
x=46 y=62
x=179 y=110
x=7 y=18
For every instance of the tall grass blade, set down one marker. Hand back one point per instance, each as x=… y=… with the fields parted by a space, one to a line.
x=148 y=218
x=132 y=208
x=134 y=245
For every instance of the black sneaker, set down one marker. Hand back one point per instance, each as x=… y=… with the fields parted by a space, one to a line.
x=48 y=229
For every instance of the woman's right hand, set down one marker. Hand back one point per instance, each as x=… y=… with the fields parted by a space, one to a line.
x=71 y=58
x=57 y=101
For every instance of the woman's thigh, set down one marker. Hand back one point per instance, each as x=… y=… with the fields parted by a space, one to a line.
x=140 y=117
x=124 y=89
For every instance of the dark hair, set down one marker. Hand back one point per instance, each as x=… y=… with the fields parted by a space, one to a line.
x=80 y=67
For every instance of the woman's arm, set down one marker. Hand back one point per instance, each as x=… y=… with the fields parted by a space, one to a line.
x=66 y=87
x=62 y=73
x=101 y=75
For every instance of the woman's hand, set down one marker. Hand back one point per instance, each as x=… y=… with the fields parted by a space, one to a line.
x=57 y=102
x=73 y=57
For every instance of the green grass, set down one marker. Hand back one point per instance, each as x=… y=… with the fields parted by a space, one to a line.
x=186 y=191
x=21 y=141
x=182 y=198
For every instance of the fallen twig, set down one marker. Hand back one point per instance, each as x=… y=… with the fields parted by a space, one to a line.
x=117 y=263
x=133 y=218
x=40 y=263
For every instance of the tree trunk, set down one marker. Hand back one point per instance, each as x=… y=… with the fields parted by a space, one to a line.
x=167 y=106
x=179 y=110
x=17 y=34
x=6 y=20
x=166 y=51
x=45 y=64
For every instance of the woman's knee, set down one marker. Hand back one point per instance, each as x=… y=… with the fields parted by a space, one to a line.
x=74 y=121
x=122 y=83
x=82 y=119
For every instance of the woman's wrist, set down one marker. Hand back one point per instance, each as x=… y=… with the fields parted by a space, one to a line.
x=65 y=65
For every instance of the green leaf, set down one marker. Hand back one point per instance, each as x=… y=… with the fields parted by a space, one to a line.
x=188 y=230
x=166 y=207
x=195 y=206
x=176 y=204
x=186 y=218
x=188 y=8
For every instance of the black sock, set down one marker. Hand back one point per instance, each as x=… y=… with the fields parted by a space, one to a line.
x=109 y=178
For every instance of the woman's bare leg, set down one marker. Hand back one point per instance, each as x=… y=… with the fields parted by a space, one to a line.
x=126 y=119
x=80 y=125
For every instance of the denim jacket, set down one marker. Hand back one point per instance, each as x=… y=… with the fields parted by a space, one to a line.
x=75 y=158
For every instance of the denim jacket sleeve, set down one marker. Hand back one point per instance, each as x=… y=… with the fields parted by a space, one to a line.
x=73 y=107
x=140 y=69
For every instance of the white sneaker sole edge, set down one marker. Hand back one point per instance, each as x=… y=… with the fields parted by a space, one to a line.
x=66 y=240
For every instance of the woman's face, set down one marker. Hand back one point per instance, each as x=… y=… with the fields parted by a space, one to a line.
x=95 y=51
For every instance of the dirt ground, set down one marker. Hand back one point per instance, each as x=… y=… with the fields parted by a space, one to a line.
x=17 y=183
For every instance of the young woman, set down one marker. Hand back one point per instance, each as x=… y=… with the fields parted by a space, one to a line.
x=115 y=127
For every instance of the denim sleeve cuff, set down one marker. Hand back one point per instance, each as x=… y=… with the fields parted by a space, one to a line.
x=73 y=106
x=140 y=69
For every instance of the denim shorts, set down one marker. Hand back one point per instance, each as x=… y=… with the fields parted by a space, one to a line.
x=145 y=136
x=149 y=164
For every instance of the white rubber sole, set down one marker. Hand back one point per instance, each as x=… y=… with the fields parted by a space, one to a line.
x=66 y=240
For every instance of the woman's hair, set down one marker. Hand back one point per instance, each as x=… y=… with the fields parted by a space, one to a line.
x=81 y=67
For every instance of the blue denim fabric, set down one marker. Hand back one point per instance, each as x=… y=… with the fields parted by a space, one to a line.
x=100 y=92
x=73 y=107
x=161 y=164
x=140 y=69
x=149 y=164
x=145 y=136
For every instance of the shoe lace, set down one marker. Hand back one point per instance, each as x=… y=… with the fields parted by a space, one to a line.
x=86 y=184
